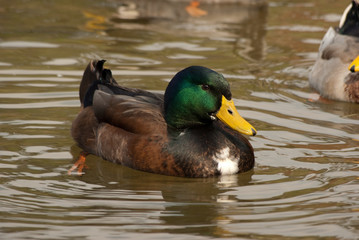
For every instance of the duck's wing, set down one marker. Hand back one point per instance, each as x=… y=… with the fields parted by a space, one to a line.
x=139 y=114
x=133 y=110
x=335 y=45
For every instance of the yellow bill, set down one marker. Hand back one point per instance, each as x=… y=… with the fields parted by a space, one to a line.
x=354 y=66
x=229 y=115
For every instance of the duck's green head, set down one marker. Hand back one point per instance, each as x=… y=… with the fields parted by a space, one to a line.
x=195 y=96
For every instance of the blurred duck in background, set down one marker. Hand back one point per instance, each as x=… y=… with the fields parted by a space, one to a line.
x=335 y=74
x=201 y=18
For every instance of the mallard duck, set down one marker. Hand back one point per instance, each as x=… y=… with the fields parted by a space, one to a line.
x=193 y=130
x=333 y=74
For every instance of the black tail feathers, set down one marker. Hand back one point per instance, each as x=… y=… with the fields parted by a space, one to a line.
x=94 y=75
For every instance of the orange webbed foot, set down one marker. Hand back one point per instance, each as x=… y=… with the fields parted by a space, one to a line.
x=79 y=164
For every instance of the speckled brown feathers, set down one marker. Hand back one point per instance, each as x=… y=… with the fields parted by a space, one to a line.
x=352 y=87
x=84 y=130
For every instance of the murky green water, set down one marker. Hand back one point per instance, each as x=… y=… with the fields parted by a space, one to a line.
x=305 y=184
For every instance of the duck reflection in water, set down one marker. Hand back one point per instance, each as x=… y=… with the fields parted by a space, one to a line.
x=193 y=205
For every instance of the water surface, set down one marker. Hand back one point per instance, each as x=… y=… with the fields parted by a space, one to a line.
x=305 y=184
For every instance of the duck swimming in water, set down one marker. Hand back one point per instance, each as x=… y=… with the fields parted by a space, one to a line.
x=193 y=130
x=335 y=74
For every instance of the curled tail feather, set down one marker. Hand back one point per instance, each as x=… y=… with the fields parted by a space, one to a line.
x=91 y=75
x=95 y=77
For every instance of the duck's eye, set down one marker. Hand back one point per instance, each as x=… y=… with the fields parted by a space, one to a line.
x=205 y=87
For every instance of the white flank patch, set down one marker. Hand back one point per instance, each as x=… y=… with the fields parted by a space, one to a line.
x=226 y=164
x=181 y=134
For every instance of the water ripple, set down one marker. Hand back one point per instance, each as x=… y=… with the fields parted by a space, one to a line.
x=49 y=104
x=26 y=44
